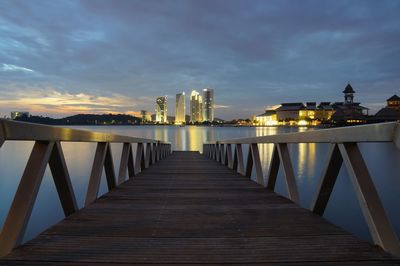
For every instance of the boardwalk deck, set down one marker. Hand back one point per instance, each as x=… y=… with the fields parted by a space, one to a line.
x=189 y=209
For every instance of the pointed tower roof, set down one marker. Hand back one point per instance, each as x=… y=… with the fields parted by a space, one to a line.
x=394 y=98
x=348 y=89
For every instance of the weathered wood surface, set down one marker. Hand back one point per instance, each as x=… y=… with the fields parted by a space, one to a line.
x=190 y=209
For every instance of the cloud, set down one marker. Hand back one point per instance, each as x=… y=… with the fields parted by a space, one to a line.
x=254 y=54
x=9 y=67
x=220 y=106
x=53 y=102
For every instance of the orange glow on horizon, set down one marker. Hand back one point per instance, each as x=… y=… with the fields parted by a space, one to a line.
x=52 y=102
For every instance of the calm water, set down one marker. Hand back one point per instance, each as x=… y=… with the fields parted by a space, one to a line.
x=343 y=209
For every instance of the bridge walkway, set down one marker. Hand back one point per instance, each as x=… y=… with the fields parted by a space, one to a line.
x=190 y=209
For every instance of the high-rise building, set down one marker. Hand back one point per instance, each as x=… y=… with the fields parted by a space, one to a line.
x=146 y=117
x=19 y=114
x=208 y=108
x=180 y=109
x=161 y=109
x=196 y=107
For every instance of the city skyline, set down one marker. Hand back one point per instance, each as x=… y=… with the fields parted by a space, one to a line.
x=101 y=57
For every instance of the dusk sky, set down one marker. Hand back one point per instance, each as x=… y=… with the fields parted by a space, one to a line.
x=61 y=58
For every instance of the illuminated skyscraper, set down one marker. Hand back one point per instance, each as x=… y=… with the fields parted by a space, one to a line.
x=161 y=109
x=196 y=107
x=208 y=108
x=180 y=109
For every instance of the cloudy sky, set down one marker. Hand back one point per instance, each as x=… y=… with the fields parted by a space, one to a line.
x=65 y=57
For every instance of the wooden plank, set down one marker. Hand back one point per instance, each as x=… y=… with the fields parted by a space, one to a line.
x=62 y=180
x=378 y=223
x=21 y=208
x=173 y=213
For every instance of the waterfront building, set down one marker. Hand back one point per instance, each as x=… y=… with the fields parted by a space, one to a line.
x=180 y=109
x=324 y=112
x=196 y=107
x=349 y=112
x=161 y=110
x=268 y=118
x=208 y=110
x=346 y=112
x=391 y=112
x=288 y=112
x=393 y=102
x=18 y=114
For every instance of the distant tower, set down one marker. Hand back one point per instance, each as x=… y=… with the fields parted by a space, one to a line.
x=208 y=105
x=161 y=109
x=196 y=107
x=180 y=109
x=348 y=94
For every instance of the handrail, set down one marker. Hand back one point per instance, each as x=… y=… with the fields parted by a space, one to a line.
x=47 y=150
x=14 y=130
x=343 y=149
x=383 y=132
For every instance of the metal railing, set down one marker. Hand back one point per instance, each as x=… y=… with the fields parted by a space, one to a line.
x=47 y=150
x=343 y=148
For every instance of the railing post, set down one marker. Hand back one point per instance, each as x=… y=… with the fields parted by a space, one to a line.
x=62 y=181
x=288 y=172
x=229 y=156
x=217 y=152
x=378 y=223
x=138 y=161
x=396 y=136
x=154 y=153
x=148 y=155
x=95 y=175
x=158 y=151
x=327 y=181
x=273 y=168
x=238 y=163
x=222 y=155
x=126 y=163
x=102 y=158
x=24 y=199
x=2 y=134
x=109 y=168
x=254 y=158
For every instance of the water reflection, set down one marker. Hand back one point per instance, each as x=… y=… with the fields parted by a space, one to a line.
x=306 y=160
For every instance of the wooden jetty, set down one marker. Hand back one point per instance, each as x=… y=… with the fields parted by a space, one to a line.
x=188 y=208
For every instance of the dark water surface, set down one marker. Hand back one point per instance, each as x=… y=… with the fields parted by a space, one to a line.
x=383 y=161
